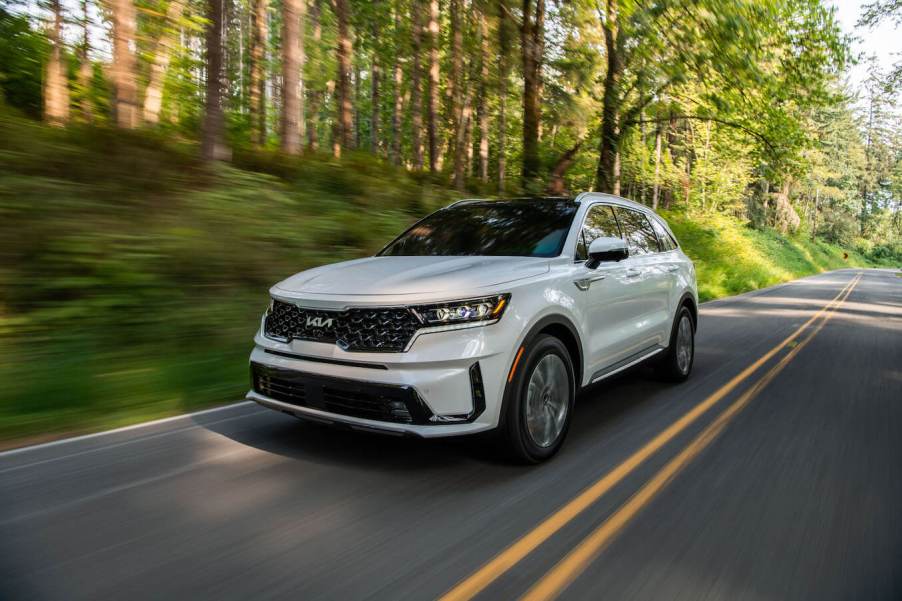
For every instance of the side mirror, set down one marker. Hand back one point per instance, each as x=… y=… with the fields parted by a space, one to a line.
x=606 y=249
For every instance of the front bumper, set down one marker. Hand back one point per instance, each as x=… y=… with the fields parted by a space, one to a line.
x=366 y=425
x=428 y=391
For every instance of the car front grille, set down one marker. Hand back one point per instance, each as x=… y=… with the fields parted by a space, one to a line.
x=384 y=329
x=379 y=402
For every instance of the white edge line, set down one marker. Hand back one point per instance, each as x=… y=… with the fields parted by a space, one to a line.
x=760 y=291
x=155 y=422
x=173 y=418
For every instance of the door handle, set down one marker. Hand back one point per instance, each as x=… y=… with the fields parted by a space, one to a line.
x=584 y=283
x=671 y=268
x=633 y=272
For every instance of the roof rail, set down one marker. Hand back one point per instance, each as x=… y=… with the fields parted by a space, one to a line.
x=588 y=196
x=463 y=201
x=562 y=198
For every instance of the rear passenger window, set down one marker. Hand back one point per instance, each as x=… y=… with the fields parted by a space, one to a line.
x=664 y=237
x=637 y=231
x=600 y=222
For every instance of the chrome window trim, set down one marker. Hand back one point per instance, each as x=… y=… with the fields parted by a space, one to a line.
x=582 y=225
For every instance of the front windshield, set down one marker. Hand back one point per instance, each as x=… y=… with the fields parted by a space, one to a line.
x=524 y=228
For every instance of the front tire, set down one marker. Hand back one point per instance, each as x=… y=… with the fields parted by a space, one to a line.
x=539 y=401
x=676 y=364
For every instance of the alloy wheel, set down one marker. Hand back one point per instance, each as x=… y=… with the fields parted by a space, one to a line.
x=547 y=400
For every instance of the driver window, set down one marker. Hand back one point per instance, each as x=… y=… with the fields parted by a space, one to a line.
x=600 y=221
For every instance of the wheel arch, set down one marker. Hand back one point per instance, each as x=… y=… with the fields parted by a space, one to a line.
x=562 y=328
x=688 y=301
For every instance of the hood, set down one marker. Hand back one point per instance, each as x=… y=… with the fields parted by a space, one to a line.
x=412 y=275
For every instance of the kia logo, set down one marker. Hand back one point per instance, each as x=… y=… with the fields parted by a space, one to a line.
x=319 y=322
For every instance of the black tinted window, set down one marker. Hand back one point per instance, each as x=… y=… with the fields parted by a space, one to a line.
x=637 y=232
x=667 y=242
x=600 y=222
x=515 y=228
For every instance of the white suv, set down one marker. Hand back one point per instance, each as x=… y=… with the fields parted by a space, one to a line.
x=484 y=315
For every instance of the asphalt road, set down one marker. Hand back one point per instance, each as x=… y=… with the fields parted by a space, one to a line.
x=786 y=484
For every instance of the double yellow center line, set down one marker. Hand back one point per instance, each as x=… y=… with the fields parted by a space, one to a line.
x=560 y=576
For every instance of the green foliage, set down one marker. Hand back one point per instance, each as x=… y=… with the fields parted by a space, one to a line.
x=884 y=11
x=133 y=276
x=731 y=258
x=23 y=53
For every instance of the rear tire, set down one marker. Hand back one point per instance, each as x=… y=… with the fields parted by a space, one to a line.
x=676 y=364
x=539 y=401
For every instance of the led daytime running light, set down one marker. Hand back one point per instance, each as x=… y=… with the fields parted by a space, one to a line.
x=463 y=311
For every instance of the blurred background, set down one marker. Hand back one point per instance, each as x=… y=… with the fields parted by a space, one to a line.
x=163 y=162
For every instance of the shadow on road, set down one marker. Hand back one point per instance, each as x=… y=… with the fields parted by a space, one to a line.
x=597 y=407
x=297 y=439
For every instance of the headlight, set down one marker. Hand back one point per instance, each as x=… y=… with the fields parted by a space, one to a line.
x=488 y=308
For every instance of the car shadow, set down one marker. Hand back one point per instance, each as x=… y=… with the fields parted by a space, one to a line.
x=597 y=406
x=284 y=435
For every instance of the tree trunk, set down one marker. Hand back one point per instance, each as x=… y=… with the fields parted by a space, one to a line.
x=817 y=197
x=687 y=180
x=468 y=133
x=302 y=61
x=432 y=116
x=315 y=96
x=641 y=183
x=213 y=146
x=704 y=173
x=532 y=41
x=503 y=76
x=85 y=70
x=375 y=99
x=292 y=65
x=863 y=213
x=416 y=93
x=56 y=86
x=257 y=58
x=657 y=185
x=356 y=104
x=481 y=110
x=672 y=140
x=606 y=176
x=454 y=90
x=398 y=92
x=153 y=95
x=123 y=70
x=243 y=25
x=345 y=50
x=460 y=147
x=556 y=185
x=335 y=129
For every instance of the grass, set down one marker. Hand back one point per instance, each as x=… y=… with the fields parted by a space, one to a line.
x=132 y=276
x=731 y=257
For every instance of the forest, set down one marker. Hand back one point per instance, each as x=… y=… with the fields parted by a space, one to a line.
x=162 y=162
x=740 y=106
